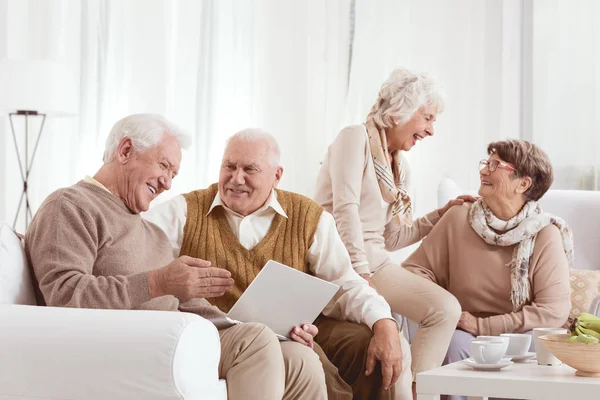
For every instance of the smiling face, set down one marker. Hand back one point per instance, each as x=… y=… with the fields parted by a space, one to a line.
x=502 y=184
x=404 y=137
x=147 y=173
x=247 y=177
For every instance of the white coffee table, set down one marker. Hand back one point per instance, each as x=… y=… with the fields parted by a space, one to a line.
x=525 y=380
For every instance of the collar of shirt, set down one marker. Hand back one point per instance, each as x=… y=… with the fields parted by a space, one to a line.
x=270 y=203
x=92 y=181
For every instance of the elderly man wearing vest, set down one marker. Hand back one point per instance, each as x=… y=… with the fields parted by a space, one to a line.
x=90 y=248
x=243 y=221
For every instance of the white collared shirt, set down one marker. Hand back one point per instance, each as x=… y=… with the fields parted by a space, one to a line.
x=328 y=258
x=254 y=227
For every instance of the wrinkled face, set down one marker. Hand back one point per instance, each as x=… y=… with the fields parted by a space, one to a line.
x=247 y=178
x=500 y=184
x=147 y=173
x=404 y=137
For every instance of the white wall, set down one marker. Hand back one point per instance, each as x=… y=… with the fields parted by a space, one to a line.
x=566 y=89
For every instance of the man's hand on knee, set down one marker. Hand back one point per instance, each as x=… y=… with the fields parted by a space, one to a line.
x=385 y=347
x=187 y=278
x=305 y=334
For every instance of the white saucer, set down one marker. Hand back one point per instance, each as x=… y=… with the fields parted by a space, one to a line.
x=487 y=367
x=521 y=357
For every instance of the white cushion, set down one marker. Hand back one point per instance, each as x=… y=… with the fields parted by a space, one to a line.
x=15 y=278
x=579 y=208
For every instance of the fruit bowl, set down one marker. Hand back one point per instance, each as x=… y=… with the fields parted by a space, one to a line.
x=584 y=357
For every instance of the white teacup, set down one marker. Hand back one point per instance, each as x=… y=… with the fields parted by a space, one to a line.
x=518 y=343
x=544 y=357
x=502 y=339
x=486 y=352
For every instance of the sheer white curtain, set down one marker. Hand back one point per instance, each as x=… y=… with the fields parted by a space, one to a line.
x=565 y=89
x=511 y=68
x=473 y=48
x=215 y=67
x=212 y=66
x=149 y=56
x=39 y=29
x=301 y=75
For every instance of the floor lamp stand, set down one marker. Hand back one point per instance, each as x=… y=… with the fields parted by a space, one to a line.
x=25 y=165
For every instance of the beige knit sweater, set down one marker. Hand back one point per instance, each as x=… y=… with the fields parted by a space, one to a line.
x=456 y=258
x=87 y=249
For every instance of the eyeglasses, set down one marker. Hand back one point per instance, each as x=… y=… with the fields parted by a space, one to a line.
x=493 y=164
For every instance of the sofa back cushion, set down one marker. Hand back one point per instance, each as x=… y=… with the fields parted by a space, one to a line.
x=15 y=277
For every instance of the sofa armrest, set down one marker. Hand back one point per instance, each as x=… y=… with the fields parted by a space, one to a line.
x=595 y=306
x=66 y=353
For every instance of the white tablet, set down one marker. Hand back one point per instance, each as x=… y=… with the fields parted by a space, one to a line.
x=282 y=297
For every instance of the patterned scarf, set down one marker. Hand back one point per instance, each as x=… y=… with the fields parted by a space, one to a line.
x=521 y=229
x=386 y=171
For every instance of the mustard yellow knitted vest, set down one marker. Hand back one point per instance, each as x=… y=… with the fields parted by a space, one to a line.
x=209 y=237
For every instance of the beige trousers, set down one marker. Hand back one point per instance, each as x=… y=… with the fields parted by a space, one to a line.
x=257 y=366
x=420 y=300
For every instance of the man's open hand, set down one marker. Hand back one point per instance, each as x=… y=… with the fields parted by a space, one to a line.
x=187 y=278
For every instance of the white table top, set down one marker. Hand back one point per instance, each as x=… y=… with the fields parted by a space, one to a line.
x=525 y=380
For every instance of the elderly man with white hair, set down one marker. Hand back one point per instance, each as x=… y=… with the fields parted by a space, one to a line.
x=243 y=221
x=90 y=248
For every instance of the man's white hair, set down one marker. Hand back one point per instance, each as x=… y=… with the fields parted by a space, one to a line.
x=402 y=94
x=254 y=135
x=145 y=131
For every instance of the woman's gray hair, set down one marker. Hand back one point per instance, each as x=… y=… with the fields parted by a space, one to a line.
x=402 y=94
x=258 y=135
x=145 y=131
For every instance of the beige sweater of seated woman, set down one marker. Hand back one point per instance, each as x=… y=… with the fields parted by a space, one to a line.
x=457 y=259
x=347 y=188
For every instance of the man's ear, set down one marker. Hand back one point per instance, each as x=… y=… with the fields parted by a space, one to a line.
x=524 y=184
x=125 y=150
x=278 y=174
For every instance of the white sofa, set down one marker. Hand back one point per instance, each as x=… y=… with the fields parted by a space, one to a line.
x=84 y=354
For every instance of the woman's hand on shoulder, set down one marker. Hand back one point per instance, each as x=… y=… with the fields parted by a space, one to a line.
x=460 y=200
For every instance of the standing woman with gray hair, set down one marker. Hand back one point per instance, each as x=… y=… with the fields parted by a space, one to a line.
x=363 y=182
